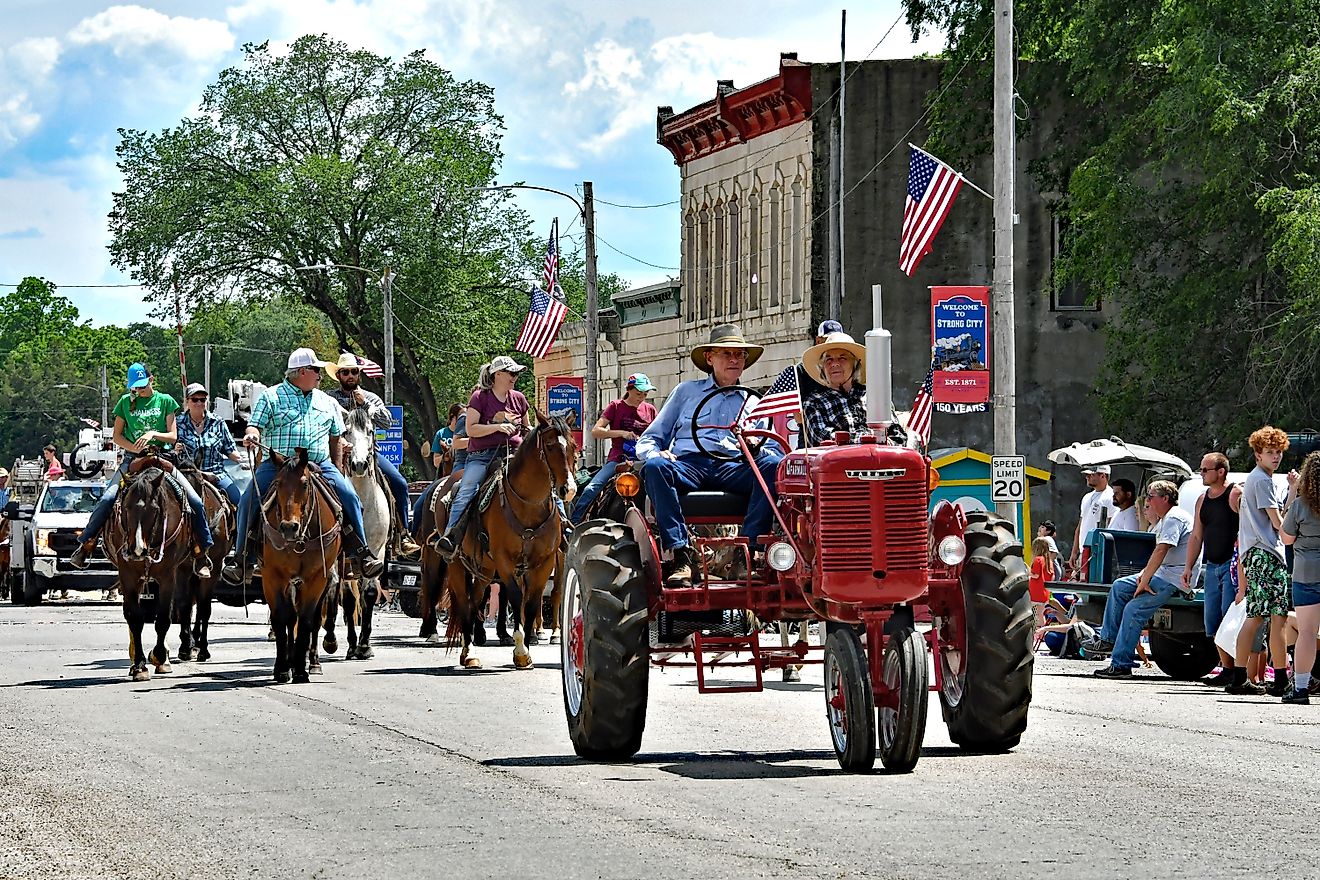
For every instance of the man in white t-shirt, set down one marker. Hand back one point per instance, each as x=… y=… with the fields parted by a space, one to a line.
x=1125 y=506
x=1097 y=510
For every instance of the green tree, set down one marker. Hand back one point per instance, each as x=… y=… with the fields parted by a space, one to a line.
x=1186 y=154
x=326 y=155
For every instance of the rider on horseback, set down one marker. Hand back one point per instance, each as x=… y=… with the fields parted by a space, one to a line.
x=145 y=420
x=352 y=396
x=293 y=415
x=206 y=441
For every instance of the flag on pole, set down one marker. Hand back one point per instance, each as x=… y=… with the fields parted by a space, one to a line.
x=932 y=187
x=550 y=277
x=922 y=405
x=542 y=324
x=369 y=368
x=782 y=397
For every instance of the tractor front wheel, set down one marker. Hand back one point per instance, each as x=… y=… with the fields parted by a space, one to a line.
x=604 y=645
x=903 y=706
x=849 y=701
x=986 y=661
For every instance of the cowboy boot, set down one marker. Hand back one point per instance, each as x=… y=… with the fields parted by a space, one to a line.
x=79 y=557
x=408 y=548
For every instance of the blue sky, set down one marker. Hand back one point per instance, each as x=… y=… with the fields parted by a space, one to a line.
x=578 y=91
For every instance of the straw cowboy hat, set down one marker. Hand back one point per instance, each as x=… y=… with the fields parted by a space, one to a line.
x=725 y=336
x=811 y=361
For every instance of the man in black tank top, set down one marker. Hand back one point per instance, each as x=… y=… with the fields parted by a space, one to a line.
x=1215 y=527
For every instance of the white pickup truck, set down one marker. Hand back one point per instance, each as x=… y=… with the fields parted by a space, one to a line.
x=43 y=538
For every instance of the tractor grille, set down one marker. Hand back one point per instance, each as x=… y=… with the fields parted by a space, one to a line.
x=848 y=533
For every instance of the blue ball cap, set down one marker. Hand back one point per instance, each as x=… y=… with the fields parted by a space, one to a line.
x=828 y=327
x=640 y=381
x=138 y=377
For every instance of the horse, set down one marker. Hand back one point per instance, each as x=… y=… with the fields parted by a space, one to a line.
x=515 y=540
x=194 y=643
x=149 y=539
x=358 y=597
x=301 y=537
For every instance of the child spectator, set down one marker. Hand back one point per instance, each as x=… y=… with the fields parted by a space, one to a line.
x=1042 y=569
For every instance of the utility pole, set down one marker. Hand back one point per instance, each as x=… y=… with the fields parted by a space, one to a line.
x=1002 y=322
x=105 y=400
x=590 y=411
x=387 y=289
x=206 y=367
x=836 y=305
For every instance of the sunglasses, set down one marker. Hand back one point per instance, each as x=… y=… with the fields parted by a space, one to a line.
x=353 y=372
x=316 y=370
x=201 y=399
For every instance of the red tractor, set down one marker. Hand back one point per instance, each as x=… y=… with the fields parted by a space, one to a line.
x=852 y=546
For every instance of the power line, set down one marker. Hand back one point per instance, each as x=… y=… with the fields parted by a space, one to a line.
x=59 y=286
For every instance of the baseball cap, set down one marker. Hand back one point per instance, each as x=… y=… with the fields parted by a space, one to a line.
x=641 y=382
x=138 y=377
x=4 y=472
x=506 y=364
x=828 y=327
x=1096 y=469
x=193 y=388
x=305 y=357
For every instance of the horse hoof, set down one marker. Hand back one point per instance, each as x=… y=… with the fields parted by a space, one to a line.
x=523 y=661
x=472 y=663
x=270 y=635
x=434 y=639
x=330 y=644
x=203 y=655
x=282 y=676
x=351 y=653
x=506 y=641
x=479 y=637
x=533 y=638
x=140 y=675
x=315 y=669
x=301 y=678
x=164 y=668
x=554 y=638
x=365 y=652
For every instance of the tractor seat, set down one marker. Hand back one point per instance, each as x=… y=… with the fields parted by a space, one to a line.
x=713 y=505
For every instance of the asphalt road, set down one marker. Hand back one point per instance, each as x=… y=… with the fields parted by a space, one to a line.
x=403 y=766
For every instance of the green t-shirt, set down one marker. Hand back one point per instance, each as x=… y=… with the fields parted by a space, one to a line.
x=143 y=414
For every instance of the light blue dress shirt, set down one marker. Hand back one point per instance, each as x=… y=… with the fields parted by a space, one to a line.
x=672 y=428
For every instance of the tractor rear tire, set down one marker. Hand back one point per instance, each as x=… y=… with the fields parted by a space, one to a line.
x=1184 y=658
x=604 y=646
x=985 y=702
x=849 y=701
x=410 y=603
x=902 y=728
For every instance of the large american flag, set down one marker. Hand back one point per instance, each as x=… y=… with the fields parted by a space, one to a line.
x=782 y=397
x=542 y=324
x=550 y=277
x=369 y=367
x=922 y=405
x=932 y=187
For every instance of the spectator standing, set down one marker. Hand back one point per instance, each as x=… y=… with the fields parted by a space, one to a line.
x=1125 y=506
x=1215 y=531
x=1301 y=529
x=1096 y=511
x=443 y=440
x=1264 y=584
x=54 y=470
x=1042 y=569
x=1134 y=599
x=1048 y=530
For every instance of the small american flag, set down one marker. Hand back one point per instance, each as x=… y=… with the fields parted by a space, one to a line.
x=542 y=324
x=369 y=367
x=932 y=187
x=781 y=398
x=922 y=405
x=551 y=275
x=91 y=423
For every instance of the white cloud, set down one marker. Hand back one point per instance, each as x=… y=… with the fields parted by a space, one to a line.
x=130 y=30
x=33 y=59
x=24 y=71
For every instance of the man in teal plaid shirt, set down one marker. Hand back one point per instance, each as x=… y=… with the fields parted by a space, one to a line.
x=291 y=416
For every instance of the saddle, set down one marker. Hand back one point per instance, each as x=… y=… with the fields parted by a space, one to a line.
x=146 y=460
x=323 y=488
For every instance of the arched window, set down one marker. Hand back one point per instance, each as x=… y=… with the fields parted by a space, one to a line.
x=754 y=247
x=703 y=264
x=691 y=259
x=776 y=254
x=798 y=242
x=717 y=266
x=735 y=257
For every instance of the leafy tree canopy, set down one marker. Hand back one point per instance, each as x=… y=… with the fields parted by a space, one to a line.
x=1186 y=156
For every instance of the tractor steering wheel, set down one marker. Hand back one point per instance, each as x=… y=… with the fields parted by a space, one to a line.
x=754 y=442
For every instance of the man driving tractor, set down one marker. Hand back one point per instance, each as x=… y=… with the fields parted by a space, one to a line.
x=673 y=464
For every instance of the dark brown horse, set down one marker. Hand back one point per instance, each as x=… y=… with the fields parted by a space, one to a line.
x=301 y=538
x=515 y=540
x=149 y=539
x=194 y=591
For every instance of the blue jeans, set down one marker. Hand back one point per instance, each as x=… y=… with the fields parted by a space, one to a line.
x=1219 y=594
x=101 y=513
x=474 y=471
x=265 y=475
x=398 y=488
x=666 y=480
x=230 y=488
x=1127 y=614
x=592 y=489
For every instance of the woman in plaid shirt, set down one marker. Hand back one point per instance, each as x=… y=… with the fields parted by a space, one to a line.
x=207 y=442
x=840 y=403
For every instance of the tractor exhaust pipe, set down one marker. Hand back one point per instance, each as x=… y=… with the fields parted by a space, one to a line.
x=879 y=369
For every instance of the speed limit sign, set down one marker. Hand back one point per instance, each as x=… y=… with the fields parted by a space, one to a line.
x=1008 y=479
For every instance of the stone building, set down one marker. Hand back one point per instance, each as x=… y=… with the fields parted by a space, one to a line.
x=758 y=185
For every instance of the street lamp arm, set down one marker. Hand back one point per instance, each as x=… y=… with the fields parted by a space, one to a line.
x=581 y=210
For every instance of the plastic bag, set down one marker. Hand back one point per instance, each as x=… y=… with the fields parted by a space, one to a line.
x=1227 y=634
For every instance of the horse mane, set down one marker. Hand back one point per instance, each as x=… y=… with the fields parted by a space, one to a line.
x=359 y=419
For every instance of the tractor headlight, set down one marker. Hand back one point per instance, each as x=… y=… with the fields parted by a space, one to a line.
x=627 y=485
x=951 y=550
x=781 y=556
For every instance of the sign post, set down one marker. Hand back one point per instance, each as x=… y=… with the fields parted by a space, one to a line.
x=390 y=440
x=1008 y=479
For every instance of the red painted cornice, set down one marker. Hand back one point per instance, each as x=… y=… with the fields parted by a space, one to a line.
x=737 y=115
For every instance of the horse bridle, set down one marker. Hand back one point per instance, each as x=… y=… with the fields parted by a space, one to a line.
x=165 y=539
x=299 y=542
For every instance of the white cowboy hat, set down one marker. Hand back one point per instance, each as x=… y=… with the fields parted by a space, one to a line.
x=811 y=361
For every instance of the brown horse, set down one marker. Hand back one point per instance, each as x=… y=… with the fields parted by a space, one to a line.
x=301 y=538
x=194 y=642
x=149 y=539
x=515 y=540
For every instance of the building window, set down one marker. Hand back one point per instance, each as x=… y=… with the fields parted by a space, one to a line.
x=1072 y=296
x=754 y=279
x=735 y=257
x=690 y=267
x=717 y=265
x=776 y=252
x=703 y=265
x=797 y=240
